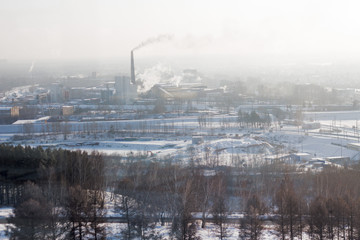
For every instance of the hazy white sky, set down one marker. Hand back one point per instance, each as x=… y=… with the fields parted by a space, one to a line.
x=80 y=29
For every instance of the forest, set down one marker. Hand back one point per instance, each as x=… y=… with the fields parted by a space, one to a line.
x=62 y=194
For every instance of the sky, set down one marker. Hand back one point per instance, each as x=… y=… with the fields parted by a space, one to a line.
x=102 y=29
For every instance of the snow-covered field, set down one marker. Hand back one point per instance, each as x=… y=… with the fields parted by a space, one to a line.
x=222 y=138
x=226 y=146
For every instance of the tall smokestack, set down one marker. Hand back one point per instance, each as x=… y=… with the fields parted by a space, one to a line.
x=132 y=73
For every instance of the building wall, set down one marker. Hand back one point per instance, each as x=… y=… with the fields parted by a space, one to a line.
x=67 y=110
x=15 y=111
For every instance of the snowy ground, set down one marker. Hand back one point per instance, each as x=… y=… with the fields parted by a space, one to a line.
x=114 y=229
x=209 y=232
x=5 y=212
x=314 y=143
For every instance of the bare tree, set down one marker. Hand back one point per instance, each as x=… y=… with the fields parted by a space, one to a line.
x=317 y=218
x=77 y=208
x=33 y=216
x=220 y=213
x=251 y=225
x=287 y=202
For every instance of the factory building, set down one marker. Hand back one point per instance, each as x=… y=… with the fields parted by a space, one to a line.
x=181 y=92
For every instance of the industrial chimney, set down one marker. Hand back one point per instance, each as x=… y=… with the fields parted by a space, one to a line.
x=132 y=73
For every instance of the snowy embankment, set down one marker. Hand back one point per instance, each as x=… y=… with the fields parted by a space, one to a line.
x=228 y=151
x=317 y=145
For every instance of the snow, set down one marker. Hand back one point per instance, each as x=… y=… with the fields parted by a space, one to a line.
x=226 y=145
x=31 y=121
x=160 y=147
x=209 y=232
x=22 y=93
x=315 y=144
x=338 y=115
x=3 y=228
x=114 y=229
x=230 y=144
x=5 y=212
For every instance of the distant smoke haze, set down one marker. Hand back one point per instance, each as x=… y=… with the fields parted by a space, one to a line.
x=149 y=41
x=292 y=30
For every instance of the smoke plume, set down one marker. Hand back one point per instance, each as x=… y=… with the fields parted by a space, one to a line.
x=153 y=40
x=157 y=74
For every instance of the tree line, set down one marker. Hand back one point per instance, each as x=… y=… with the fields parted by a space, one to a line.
x=254 y=119
x=63 y=194
x=59 y=193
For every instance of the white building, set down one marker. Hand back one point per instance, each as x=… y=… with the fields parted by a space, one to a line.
x=57 y=93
